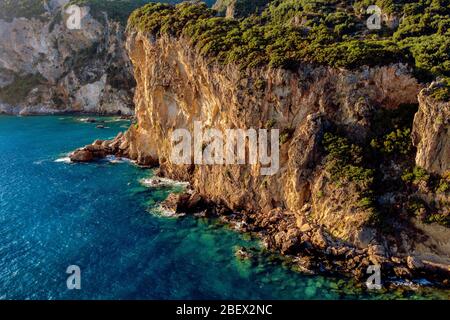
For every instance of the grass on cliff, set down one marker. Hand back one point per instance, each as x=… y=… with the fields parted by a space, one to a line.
x=442 y=91
x=10 y=9
x=19 y=89
x=345 y=163
x=331 y=32
x=368 y=169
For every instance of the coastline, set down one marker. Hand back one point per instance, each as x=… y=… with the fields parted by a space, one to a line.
x=308 y=247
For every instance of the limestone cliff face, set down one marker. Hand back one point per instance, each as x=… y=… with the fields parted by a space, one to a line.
x=176 y=86
x=47 y=68
x=431 y=134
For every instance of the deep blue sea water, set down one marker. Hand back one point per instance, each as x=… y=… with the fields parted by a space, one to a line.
x=99 y=216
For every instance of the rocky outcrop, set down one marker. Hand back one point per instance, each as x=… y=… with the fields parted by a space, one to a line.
x=100 y=149
x=299 y=210
x=431 y=133
x=45 y=67
x=177 y=87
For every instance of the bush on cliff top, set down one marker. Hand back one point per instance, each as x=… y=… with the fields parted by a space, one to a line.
x=442 y=92
x=331 y=32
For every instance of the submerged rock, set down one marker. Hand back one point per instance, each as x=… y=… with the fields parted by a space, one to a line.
x=190 y=203
x=243 y=253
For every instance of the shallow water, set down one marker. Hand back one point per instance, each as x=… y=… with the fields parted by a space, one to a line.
x=100 y=217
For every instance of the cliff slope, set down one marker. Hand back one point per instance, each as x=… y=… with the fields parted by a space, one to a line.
x=363 y=172
x=46 y=67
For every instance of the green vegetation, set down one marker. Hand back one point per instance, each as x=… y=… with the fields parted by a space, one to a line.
x=416 y=208
x=10 y=9
x=442 y=92
x=396 y=142
x=330 y=32
x=19 y=89
x=415 y=176
x=345 y=164
x=439 y=218
x=286 y=135
x=444 y=184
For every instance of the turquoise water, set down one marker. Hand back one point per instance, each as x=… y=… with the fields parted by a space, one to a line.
x=99 y=216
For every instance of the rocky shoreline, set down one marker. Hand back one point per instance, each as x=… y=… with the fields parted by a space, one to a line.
x=308 y=247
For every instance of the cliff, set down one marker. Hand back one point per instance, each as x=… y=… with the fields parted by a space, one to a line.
x=47 y=68
x=431 y=133
x=352 y=188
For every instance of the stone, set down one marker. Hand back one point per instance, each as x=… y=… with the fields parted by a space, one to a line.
x=414 y=263
x=430 y=134
x=243 y=253
x=402 y=272
x=306 y=227
x=318 y=240
x=81 y=155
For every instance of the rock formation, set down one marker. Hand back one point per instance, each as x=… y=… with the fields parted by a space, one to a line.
x=45 y=67
x=328 y=219
x=431 y=134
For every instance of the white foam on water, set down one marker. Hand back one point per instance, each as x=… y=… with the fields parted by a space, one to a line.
x=64 y=160
x=156 y=182
x=114 y=159
x=116 y=120
x=164 y=213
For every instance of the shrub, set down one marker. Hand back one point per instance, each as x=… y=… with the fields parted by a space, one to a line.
x=333 y=33
x=444 y=183
x=439 y=218
x=417 y=208
x=19 y=89
x=416 y=175
x=344 y=163
x=396 y=142
x=442 y=92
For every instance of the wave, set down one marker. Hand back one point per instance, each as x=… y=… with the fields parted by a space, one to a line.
x=114 y=159
x=164 y=213
x=157 y=182
x=64 y=159
x=412 y=284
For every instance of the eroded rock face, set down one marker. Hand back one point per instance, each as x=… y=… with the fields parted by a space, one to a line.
x=431 y=134
x=298 y=211
x=85 y=70
x=176 y=86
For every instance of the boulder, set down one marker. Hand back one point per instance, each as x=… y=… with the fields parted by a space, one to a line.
x=414 y=263
x=82 y=155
